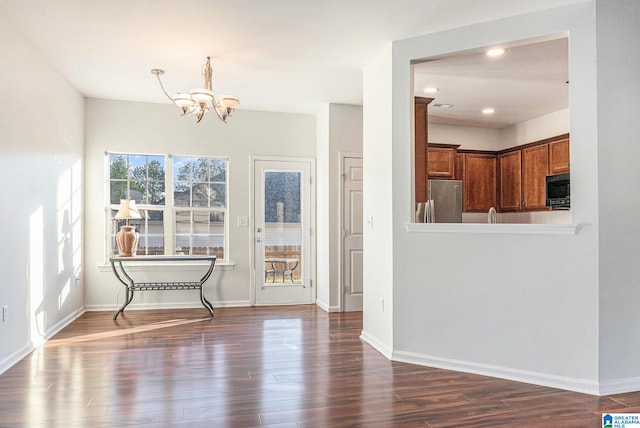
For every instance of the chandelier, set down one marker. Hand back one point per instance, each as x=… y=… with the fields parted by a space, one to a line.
x=200 y=100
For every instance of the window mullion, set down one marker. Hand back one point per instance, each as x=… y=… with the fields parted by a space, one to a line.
x=170 y=209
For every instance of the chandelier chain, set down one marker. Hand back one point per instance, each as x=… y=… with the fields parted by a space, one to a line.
x=162 y=87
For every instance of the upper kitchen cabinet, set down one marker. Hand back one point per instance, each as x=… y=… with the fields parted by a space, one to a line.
x=420 y=148
x=535 y=167
x=510 y=183
x=522 y=172
x=479 y=181
x=441 y=161
x=559 y=155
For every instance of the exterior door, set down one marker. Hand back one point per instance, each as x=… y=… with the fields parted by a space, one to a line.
x=282 y=232
x=352 y=218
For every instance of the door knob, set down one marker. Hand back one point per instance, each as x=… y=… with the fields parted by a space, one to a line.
x=258 y=239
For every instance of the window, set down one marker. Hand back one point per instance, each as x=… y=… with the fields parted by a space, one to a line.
x=189 y=218
x=200 y=198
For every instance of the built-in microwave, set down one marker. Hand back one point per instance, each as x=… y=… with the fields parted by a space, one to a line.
x=558 y=192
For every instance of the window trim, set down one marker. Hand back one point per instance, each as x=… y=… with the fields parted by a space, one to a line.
x=169 y=209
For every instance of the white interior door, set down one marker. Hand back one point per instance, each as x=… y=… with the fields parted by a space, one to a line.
x=282 y=232
x=352 y=219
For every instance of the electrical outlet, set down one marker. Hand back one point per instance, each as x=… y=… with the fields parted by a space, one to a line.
x=5 y=313
x=382 y=304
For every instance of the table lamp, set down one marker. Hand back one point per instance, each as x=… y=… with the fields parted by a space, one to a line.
x=127 y=238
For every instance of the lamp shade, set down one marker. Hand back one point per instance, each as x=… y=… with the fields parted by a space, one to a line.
x=202 y=95
x=183 y=100
x=127 y=210
x=229 y=101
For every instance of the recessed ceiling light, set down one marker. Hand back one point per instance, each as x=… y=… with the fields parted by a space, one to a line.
x=442 y=105
x=488 y=110
x=431 y=90
x=495 y=52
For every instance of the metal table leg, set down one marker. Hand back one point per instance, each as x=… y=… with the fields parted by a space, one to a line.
x=128 y=284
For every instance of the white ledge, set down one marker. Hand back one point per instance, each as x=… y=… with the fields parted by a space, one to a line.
x=504 y=228
x=169 y=267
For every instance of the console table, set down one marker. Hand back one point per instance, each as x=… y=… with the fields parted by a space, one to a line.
x=118 y=265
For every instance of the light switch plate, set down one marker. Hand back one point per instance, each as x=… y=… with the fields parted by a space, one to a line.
x=243 y=221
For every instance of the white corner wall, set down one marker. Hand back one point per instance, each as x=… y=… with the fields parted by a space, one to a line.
x=122 y=126
x=618 y=134
x=41 y=142
x=339 y=132
x=523 y=307
x=378 y=200
x=323 y=202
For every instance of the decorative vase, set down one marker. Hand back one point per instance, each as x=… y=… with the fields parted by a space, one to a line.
x=127 y=240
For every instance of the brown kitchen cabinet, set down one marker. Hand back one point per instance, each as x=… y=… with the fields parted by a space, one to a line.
x=535 y=167
x=510 y=180
x=458 y=172
x=441 y=161
x=559 y=156
x=479 y=182
x=420 y=148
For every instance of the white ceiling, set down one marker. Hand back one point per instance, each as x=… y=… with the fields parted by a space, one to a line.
x=527 y=81
x=276 y=55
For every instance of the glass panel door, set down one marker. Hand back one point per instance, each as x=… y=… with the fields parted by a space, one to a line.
x=282 y=232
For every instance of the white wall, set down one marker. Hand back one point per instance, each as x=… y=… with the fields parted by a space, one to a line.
x=323 y=199
x=494 y=139
x=468 y=137
x=521 y=306
x=339 y=131
x=378 y=200
x=158 y=128
x=539 y=128
x=618 y=177
x=41 y=139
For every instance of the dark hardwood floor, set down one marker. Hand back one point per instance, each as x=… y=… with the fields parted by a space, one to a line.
x=290 y=366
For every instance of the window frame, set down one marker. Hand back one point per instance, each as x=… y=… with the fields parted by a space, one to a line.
x=169 y=208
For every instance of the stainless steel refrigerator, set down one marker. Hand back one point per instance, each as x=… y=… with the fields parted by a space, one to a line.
x=445 y=202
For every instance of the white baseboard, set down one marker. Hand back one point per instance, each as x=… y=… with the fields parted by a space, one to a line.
x=536 y=378
x=376 y=344
x=327 y=308
x=14 y=358
x=54 y=329
x=620 y=386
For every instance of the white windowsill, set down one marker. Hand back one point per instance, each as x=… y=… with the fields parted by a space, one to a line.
x=172 y=267
x=503 y=228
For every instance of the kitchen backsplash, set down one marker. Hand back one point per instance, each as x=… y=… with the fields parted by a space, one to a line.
x=534 y=217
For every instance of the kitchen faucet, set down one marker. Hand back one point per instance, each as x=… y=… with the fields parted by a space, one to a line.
x=492 y=217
